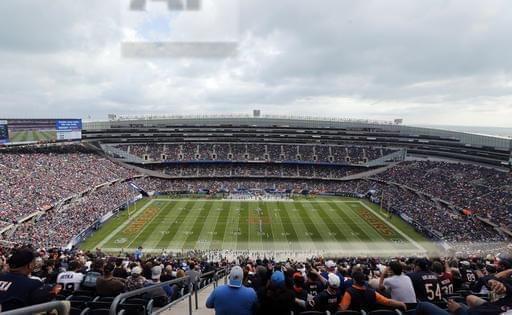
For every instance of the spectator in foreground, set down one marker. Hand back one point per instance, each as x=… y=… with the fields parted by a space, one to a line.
x=278 y=299
x=71 y=279
x=17 y=289
x=108 y=285
x=233 y=298
x=328 y=299
x=425 y=283
x=502 y=302
x=160 y=294
x=360 y=297
x=136 y=280
x=397 y=284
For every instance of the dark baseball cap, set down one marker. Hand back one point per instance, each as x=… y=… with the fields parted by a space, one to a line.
x=21 y=257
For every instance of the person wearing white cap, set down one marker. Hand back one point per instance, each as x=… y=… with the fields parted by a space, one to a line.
x=136 y=280
x=163 y=294
x=328 y=299
x=330 y=267
x=233 y=297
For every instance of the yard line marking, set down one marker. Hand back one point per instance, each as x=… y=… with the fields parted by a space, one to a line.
x=418 y=246
x=124 y=224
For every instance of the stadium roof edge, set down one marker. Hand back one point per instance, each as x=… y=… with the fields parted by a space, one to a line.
x=246 y=116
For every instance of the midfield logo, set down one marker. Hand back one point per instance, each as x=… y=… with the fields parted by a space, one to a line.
x=179 y=28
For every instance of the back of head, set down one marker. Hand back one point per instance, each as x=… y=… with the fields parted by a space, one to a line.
x=98 y=265
x=74 y=265
x=396 y=267
x=109 y=267
x=358 y=277
x=437 y=267
x=21 y=257
x=422 y=264
x=261 y=272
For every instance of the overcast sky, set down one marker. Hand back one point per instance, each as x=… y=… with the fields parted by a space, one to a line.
x=429 y=62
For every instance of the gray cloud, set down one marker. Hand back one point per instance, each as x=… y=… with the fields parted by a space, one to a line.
x=436 y=61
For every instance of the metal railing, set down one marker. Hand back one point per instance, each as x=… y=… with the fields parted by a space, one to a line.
x=62 y=308
x=215 y=277
x=193 y=291
x=141 y=291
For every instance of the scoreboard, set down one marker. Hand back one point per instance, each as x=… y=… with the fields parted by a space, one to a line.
x=70 y=129
x=4 y=132
x=20 y=131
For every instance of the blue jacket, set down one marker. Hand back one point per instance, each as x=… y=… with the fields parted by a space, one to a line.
x=228 y=300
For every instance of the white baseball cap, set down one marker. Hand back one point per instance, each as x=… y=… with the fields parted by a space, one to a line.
x=334 y=280
x=330 y=264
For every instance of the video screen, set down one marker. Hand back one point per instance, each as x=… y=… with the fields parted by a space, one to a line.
x=39 y=130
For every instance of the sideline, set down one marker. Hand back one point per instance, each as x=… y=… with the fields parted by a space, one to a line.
x=418 y=246
x=124 y=224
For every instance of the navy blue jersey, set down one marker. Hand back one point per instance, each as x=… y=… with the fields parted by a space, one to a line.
x=17 y=291
x=314 y=287
x=326 y=301
x=426 y=286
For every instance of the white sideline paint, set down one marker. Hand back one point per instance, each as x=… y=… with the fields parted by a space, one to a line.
x=125 y=223
x=418 y=246
x=384 y=251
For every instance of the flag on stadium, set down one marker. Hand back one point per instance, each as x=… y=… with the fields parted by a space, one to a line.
x=134 y=186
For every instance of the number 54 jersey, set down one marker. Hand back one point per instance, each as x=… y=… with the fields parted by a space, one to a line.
x=426 y=286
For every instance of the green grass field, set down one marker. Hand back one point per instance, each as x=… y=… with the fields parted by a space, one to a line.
x=321 y=225
x=22 y=136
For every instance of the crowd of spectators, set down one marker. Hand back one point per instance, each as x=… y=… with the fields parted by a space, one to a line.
x=57 y=227
x=481 y=190
x=420 y=285
x=36 y=178
x=260 y=285
x=452 y=226
x=259 y=170
x=257 y=152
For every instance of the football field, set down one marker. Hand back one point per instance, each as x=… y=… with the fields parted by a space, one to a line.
x=320 y=225
x=33 y=135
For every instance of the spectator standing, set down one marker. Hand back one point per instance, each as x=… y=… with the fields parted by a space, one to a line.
x=397 y=284
x=233 y=298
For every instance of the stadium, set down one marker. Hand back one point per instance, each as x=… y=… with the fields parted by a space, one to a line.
x=227 y=157
x=258 y=186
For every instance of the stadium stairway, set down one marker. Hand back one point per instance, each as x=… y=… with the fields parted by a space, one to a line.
x=181 y=308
